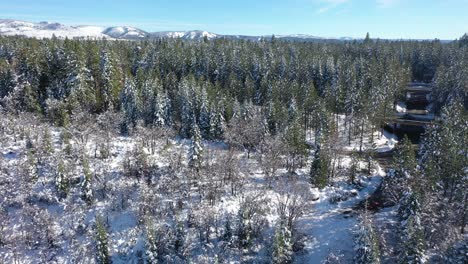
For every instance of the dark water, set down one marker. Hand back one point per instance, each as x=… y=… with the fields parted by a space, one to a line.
x=414 y=133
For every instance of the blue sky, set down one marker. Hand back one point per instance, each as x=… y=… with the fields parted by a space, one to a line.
x=443 y=19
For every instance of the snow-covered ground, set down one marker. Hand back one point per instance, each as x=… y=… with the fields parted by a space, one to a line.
x=331 y=226
x=327 y=225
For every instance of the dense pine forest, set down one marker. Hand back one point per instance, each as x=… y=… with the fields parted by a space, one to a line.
x=230 y=151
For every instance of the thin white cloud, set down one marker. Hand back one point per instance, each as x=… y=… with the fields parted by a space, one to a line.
x=329 y=5
x=386 y=3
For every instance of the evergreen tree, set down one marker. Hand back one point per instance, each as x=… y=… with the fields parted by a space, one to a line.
x=151 y=246
x=86 y=190
x=227 y=236
x=148 y=99
x=187 y=110
x=205 y=116
x=366 y=243
x=47 y=145
x=405 y=159
x=403 y=173
x=168 y=109
x=32 y=168
x=130 y=104
x=282 y=244
x=61 y=180
x=179 y=240
x=297 y=148
x=242 y=229
x=196 y=150
x=218 y=124
x=159 y=112
x=411 y=233
x=319 y=169
x=109 y=81
x=101 y=240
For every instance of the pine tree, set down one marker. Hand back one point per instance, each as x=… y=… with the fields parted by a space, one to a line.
x=179 y=240
x=101 y=240
x=319 y=169
x=130 y=104
x=218 y=124
x=366 y=243
x=297 y=148
x=168 y=110
x=47 y=146
x=405 y=159
x=227 y=236
x=151 y=246
x=61 y=180
x=282 y=244
x=403 y=172
x=196 y=150
x=148 y=99
x=86 y=190
x=32 y=168
x=242 y=229
x=187 y=113
x=7 y=80
x=411 y=233
x=204 y=121
x=109 y=81
x=159 y=112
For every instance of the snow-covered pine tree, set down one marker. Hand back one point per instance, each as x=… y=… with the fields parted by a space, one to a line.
x=32 y=169
x=79 y=82
x=411 y=230
x=405 y=159
x=218 y=124
x=205 y=115
x=47 y=145
x=101 y=240
x=168 y=110
x=282 y=244
x=130 y=104
x=227 y=235
x=148 y=99
x=366 y=243
x=159 y=111
x=295 y=140
x=86 y=189
x=179 y=240
x=292 y=110
x=61 y=180
x=319 y=169
x=7 y=80
x=107 y=80
x=242 y=230
x=196 y=150
x=151 y=250
x=187 y=113
x=404 y=169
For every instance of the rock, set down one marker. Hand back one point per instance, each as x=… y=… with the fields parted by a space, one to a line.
x=347 y=211
x=315 y=196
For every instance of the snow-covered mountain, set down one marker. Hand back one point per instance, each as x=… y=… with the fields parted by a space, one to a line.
x=125 y=33
x=47 y=30
x=188 y=35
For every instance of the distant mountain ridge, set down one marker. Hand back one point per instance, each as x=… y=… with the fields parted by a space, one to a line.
x=10 y=27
